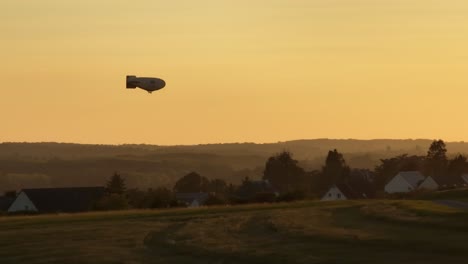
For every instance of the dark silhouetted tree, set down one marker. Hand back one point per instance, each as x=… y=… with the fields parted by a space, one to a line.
x=10 y=194
x=112 y=201
x=436 y=160
x=335 y=169
x=191 y=182
x=162 y=198
x=218 y=186
x=456 y=167
x=284 y=174
x=115 y=199
x=116 y=185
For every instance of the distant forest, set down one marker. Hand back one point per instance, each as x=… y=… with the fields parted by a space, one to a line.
x=33 y=165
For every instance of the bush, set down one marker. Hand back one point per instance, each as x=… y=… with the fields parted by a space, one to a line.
x=215 y=200
x=291 y=196
x=112 y=202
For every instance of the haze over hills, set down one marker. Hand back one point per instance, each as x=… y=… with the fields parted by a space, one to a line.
x=27 y=165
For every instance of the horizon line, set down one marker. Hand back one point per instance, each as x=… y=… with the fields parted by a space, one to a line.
x=224 y=143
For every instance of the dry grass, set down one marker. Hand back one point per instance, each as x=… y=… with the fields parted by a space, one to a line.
x=304 y=232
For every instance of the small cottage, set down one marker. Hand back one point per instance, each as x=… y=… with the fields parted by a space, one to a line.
x=345 y=192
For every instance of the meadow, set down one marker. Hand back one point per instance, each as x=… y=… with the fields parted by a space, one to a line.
x=379 y=231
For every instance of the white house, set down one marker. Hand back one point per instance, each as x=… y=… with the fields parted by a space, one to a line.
x=405 y=181
x=428 y=184
x=333 y=194
x=22 y=203
x=343 y=192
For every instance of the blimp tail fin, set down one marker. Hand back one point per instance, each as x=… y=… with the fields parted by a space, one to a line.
x=131 y=84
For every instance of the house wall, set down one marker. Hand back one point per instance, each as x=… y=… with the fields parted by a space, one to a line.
x=22 y=203
x=195 y=203
x=334 y=194
x=465 y=178
x=428 y=184
x=398 y=185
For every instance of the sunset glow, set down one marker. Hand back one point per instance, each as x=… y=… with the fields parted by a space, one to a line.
x=236 y=71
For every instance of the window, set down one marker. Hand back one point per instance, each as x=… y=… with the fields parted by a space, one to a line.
x=339 y=195
x=329 y=194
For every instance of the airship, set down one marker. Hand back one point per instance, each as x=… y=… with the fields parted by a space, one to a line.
x=149 y=84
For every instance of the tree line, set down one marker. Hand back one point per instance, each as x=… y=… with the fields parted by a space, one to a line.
x=287 y=180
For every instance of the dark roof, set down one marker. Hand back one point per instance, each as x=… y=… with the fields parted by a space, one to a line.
x=5 y=202
x=77 y=199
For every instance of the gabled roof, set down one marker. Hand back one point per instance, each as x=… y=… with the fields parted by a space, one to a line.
x=77 y=199
x=414 y=178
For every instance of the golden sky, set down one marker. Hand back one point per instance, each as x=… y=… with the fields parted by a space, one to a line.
x=236 y=70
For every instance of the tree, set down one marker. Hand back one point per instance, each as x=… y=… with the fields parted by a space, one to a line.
x=115 y=199
x=10 y=194
x=137 y=198
x=456 y=167
x=282 y=171
x=191 y=182
x=112 y=201
x=217 y=186
x=214 y=199
x=162 y=198
x=335 y=170
x=116 y=185
x=436 y=159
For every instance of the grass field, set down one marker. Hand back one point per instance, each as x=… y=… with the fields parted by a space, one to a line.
x=304 y=232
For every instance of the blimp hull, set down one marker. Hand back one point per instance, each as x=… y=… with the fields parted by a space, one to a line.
x=149 y=84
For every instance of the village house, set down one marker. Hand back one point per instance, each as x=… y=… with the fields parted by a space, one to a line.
x=404 y=181
x=54 y=200
x=344 y=191
x=407 y=181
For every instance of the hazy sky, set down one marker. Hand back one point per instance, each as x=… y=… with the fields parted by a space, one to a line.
x=236 y=70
